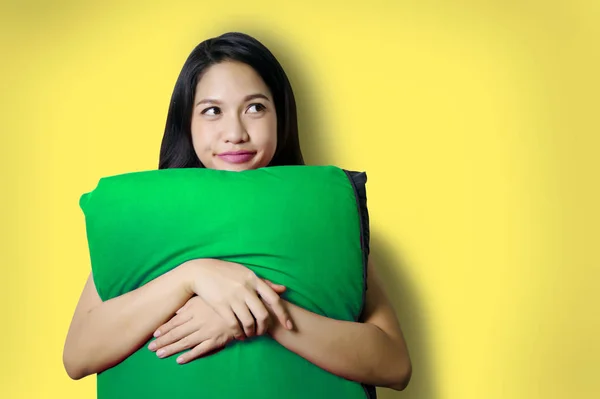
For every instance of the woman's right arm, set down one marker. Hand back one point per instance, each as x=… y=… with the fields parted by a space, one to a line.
x=102 y=334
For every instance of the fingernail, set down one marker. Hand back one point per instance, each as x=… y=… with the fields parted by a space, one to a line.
x=289 y=324
x=152 y=345
x=160 y=353
x=179 y=360
x=156 y=333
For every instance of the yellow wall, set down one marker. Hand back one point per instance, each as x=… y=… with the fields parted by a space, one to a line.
x=475 y=123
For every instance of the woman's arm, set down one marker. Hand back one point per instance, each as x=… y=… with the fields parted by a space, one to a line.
x=373 y=352
x=102 y=334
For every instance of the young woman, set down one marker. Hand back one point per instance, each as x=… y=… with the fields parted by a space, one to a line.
x=232 y=109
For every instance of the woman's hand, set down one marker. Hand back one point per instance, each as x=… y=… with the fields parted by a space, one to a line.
x=197 y=326
x=237 y=295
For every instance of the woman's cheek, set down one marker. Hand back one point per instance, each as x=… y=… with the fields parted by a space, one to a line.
x=271 y=136
x=203 y=150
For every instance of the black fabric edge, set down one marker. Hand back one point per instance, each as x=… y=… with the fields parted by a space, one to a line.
x=358 y=181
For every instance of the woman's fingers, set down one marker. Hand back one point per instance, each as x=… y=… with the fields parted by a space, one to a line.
x=231 y=321
x=278 y=288
x=245 y=318
x=181 y=309
x=176 y=321
x=271 y=298
x=198 y=351
x=172 y=336
x=186 y=342
x=260 y=313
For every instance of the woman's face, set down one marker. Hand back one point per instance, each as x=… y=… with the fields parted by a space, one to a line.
x=234 y=125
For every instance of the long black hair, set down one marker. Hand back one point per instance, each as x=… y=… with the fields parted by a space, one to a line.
x=177 y=150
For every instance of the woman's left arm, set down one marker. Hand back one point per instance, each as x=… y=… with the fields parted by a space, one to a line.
x=371 y=352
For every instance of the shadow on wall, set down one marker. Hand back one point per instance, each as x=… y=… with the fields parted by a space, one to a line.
x=404 y=297
x=385 y=254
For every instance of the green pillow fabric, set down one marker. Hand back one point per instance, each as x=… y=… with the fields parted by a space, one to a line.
x=305 y=227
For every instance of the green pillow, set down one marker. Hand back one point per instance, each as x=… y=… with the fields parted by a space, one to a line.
x=305 y=227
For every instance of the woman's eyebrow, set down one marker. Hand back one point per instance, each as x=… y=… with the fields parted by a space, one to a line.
x=247 y=98
x=257 y=95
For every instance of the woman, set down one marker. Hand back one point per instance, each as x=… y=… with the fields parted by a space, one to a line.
x=232 y=109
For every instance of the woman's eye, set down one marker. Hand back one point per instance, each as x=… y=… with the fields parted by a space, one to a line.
x=257 y=108
x=215 y=111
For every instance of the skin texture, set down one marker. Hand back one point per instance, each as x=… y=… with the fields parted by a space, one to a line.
x=204 y=304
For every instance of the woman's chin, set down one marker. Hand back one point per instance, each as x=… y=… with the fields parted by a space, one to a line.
x=235 y=167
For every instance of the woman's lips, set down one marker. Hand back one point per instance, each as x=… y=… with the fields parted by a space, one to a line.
x=237 y=156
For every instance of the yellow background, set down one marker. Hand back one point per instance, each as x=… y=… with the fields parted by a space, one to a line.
x=476 y=123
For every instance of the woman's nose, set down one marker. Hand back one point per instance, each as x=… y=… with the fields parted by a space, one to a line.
x=235 y=131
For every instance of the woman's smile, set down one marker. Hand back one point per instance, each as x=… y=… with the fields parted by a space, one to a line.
x=237 y=157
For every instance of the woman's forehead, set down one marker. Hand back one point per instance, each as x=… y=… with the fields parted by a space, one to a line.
x=230 y=81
